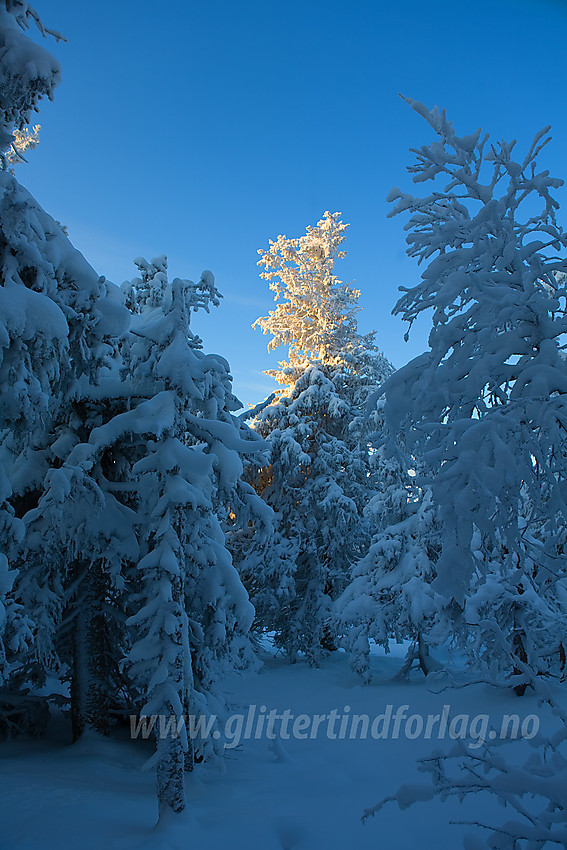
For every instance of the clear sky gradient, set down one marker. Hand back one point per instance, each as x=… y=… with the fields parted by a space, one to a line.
x=202 y=129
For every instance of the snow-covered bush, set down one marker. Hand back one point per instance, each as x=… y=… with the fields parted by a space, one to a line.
x=531 y=786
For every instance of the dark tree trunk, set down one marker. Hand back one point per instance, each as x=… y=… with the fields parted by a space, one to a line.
x=521 y=654
x=92 y=676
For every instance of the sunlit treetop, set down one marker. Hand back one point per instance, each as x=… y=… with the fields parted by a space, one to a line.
x=316 y=316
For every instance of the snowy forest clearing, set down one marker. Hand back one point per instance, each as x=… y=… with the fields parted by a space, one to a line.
x=297 y=795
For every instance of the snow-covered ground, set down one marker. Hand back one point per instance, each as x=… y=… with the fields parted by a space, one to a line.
x=297 y=794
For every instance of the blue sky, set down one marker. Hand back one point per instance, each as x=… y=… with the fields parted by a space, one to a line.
x=201 y=130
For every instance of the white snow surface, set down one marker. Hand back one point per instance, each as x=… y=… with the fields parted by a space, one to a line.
x=283 y=795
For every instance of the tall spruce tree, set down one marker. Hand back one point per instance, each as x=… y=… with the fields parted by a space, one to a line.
x=321 y=472
x=58 y=322
x=28 y=369
x=191 y=613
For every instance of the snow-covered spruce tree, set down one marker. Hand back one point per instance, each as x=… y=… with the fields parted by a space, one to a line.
x=60 y=321
x=192 y=612
x=390 y=595
x=50 y=490
x=34 y=334
x=321 y=472
x=80 y=550
x=53 y=331
x=22 y=84
x=485 y=407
